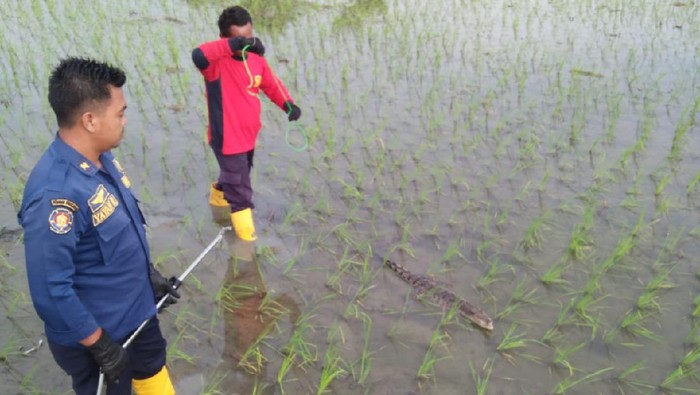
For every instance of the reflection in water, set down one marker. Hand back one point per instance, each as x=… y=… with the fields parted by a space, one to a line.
x=249 y=314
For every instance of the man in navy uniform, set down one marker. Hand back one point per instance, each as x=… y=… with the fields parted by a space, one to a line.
x=88 y=261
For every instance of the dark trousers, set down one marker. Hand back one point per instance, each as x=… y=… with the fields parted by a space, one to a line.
x=234 y=179
x=146 y=358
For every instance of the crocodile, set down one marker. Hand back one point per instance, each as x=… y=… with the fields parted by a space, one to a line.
x=425 y=285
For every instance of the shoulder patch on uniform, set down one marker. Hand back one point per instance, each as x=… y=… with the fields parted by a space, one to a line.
x=61 y=221
x=69 y=204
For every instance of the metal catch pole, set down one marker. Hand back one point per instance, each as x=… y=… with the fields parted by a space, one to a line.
x=100 y=383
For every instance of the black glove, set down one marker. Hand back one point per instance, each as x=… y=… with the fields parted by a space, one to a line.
x=293 y=111
x=162 y=287
x=111 y=357
x=254 y=44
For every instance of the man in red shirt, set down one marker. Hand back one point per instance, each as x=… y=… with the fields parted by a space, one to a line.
x=235 y=72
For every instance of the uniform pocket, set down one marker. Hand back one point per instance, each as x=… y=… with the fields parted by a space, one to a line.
x=111 y=233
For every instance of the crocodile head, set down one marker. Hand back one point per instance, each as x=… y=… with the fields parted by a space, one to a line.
x=482 y=320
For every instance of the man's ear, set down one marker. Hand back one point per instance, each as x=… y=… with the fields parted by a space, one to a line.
x=87 y=119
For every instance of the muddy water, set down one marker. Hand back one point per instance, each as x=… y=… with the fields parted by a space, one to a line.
x=438 y=135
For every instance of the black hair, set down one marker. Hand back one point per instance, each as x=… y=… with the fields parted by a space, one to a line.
x=77 y=82
x=233 y=16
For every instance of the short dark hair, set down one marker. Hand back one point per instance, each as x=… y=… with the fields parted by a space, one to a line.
x=233 y=16
x=77 y=82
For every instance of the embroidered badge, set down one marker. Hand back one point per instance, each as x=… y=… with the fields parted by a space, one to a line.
x=102 y=204
x=61 y=221
x=125 y=179
x=258 y=80
x=71 y=205
x=84 y=165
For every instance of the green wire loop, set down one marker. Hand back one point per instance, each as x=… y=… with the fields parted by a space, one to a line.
x=303 y=133
x=289 y=125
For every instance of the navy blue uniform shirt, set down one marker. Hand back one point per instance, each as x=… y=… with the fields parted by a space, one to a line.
x=85 y=245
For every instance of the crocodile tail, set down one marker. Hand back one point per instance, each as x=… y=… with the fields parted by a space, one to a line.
x=398 y=269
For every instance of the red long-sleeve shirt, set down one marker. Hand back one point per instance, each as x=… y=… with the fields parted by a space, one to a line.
x=232 y=95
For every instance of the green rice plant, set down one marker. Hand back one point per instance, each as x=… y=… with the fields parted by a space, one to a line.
x=580 y=239
x=696 y=310
x=405 y=244
x=298 y=351
x=611 y=122
x=426 y=371
x=563 y=356
x=648 y=300
x=661 y=185
x=295 y=215
x=495 y=270
x=28 y=383
x=213 y=382
x=520 y=296
x=585 y=307
x=533 y=234
x=302 y=350
x=366 y=278
x=453 y=250
x=568 y=383
x=684 y=371
x=693 y=183
x=175 y=352
x=624 y=246
x=9 y=349
x=253 y=360
x=366 y=356
x=624 y=378
x=686 y=122
x=553 y=275
x=481 y=380
x=17 y=299
x=511 y=341
x=331 y=367
x=632 y=324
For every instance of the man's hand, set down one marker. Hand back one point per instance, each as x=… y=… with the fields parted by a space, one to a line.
x=111 y=357
x=162 y=287
x=293 y=111
x=253 y=45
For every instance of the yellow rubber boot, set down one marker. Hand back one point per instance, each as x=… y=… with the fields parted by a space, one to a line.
x=216 y=197
x=242 y=222
x=158 y=384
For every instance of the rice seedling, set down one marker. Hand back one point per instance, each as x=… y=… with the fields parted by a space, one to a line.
x=684 y=371
x=693 y=183
x=511 y=342
x=213 y=382
x=481 y=379
x=365 y=362
x=426 y=370
x=662 y=183
x=332 y=363
x=553 y=275
x=686 y=121
x=533 y=234
x=580 y=239
x=568 y=383
x=494 y=272
x=175 y=352
x=625 y=379
x=27 y=385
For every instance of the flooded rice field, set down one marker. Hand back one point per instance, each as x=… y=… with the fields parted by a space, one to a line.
x=539 y=159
